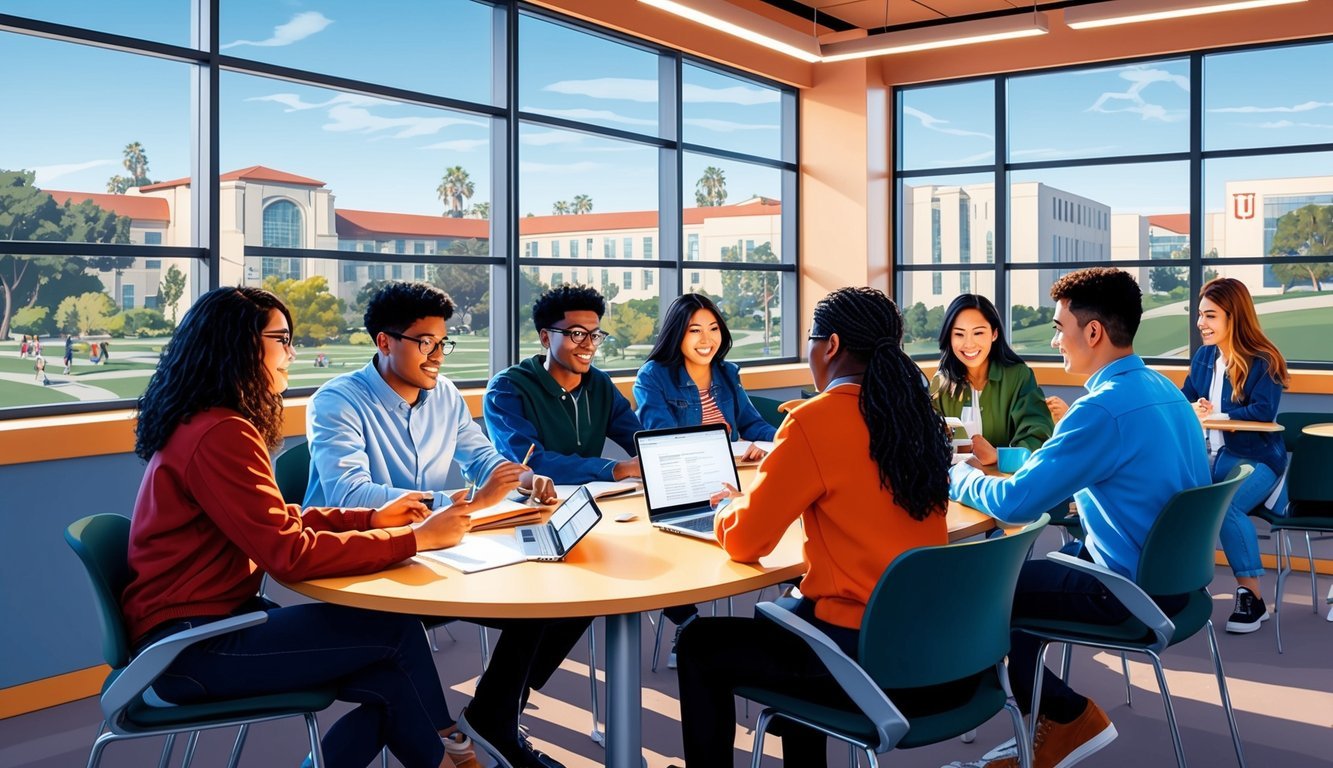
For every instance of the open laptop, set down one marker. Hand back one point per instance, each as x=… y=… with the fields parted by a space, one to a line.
x=570 y=522
x=682 y=467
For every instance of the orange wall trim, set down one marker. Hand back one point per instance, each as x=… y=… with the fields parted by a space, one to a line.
x=52 y=691
x=1298 y=565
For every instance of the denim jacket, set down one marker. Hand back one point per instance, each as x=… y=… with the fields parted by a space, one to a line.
x=1261 y=403
x=665 y=396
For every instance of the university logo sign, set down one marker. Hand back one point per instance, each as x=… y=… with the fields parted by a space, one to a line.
x=1242 y=205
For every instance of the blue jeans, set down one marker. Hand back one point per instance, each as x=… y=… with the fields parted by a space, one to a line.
x=378 y=660
x=1239 y=541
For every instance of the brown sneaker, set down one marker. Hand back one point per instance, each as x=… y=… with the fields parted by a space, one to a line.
x=459 y=749
x=1060 y=746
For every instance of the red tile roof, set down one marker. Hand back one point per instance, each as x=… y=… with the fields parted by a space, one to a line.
x=354 y=224
x=133 y=206
x=1172 y=222
x=601 y=222
x=253 y=173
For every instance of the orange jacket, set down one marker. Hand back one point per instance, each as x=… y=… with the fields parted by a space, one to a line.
x=820 y=470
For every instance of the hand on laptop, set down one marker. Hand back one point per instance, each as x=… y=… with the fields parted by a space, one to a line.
x=753 y=453
x=409 y=508
x=728 y=491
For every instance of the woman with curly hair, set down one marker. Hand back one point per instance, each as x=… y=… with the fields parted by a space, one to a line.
x=209 y=522
x=865 y=466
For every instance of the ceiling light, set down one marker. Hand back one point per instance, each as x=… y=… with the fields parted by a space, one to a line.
x=939 y=36
x=760 y=30
x=1133 y=11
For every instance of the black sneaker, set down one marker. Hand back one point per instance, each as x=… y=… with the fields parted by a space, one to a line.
x=1250 y=613
x=543 y=759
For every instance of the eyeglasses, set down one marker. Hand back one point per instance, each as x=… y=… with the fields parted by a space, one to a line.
x=427 y=346
x=282 y=337
x=817 y=337
x=578 y=335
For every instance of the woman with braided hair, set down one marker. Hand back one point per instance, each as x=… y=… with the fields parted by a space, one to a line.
x=864 y=465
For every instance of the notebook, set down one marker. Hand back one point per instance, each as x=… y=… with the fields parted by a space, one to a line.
x=682 y=468
x=570 y=522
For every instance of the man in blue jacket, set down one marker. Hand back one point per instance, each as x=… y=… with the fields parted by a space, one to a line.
x=1122 y=451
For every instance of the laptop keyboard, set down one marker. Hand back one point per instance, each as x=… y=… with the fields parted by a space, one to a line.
x=702 y=524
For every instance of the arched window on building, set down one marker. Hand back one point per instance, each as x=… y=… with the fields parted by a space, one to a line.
x=282 y=229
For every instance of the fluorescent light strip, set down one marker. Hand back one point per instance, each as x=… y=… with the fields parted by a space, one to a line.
x=727 y=18
x=1134 y=11
x=939 y=36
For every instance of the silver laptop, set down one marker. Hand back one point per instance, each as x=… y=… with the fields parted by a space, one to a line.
x=682 y=468
x=570 y=522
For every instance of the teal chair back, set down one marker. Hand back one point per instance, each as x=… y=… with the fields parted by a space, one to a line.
x=768 y=408
x=102 y=543
x=1178 y=556
x=942 y=613
x=1294 y=421
x=292 y=470
x=1310 y=476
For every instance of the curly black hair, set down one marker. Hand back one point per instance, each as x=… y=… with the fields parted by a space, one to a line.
x=396 y=305
x=1105 y=294
x=908 y=440
x=952 y=371
x=214 y=360
x=550 y=307
x=677 y=321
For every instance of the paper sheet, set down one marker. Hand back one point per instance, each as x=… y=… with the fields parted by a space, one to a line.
x=478 y=553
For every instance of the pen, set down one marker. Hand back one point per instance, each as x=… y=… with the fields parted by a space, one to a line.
x=531 y=448
x=471 y=491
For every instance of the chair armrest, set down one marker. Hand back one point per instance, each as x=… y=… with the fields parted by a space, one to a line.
x=1135 y=600
x=860 y=688
x=140 y=673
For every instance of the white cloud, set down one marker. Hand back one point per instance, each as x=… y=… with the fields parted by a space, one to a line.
x=1282 y=124
x=735 y=94
x=591 y=115
x=727 y=126
x=45 y=174
x=459 y=145
x=294 y=103
x=1308 y=106
x=350 y=113
x=1131 y=100
x=933 y=123
x=301 y=26
x=645 y=91
x=584 y=167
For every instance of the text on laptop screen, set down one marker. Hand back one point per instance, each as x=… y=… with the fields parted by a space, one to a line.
x=686 y=468
x=574 y=518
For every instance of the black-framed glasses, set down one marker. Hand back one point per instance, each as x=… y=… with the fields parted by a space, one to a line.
x=428 y=346
x=282 y=337
x=817 y=337
x=577 y=335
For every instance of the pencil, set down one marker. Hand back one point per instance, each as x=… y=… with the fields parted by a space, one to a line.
x=471 y=491
x=531 y=448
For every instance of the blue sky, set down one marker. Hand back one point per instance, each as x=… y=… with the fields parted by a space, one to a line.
x=374 y=154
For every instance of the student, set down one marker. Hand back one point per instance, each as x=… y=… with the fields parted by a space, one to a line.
x=557 y=405
x=209 y=522
x=1239 y=374
x=982 y=381
x=687 y=381
x=864 y=465
x=1122 y=451
x=398 y=425
x=69 y=352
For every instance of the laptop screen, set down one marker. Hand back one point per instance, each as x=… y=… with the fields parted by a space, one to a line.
x=574 y=518
x=683 y=467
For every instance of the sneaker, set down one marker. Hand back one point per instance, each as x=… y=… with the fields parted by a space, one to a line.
x=545 y=760
x=671 y=657
x=459 y=748
x=1250 y=613
x=515 y=753
x=1063 y=745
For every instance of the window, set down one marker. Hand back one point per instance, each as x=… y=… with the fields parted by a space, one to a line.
x=647 y=247
x=152 y=238
x=127 y=297
x=555 y=249
x=629 y=247
x=609 y=247
x=152 y=264
x=628 y=282
x=692 y=250
x=648 y=279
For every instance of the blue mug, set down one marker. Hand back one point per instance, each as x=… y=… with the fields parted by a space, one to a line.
x=1011 y=459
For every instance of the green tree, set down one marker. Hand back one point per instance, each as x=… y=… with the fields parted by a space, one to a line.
x=28 y=213
x=33 y=320
x=317 y=315
x=1165 y=279
x=171 y=289
x=581 y=204
x=85 y=314
x=635 y=322
x=747 y=293
x=469 y=285
x=1306 y=231
x=914 y=323
x=711 y=189
x=136 y=164
x=559 y=208
x=481 y=210
x=143 y=321
x=456 y=188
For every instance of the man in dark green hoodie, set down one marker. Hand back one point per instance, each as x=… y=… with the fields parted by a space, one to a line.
x=557 y=405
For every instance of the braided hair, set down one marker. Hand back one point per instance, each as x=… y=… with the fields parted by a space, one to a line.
x=908 y=440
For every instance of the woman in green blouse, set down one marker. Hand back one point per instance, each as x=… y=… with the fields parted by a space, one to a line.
x=981 y=380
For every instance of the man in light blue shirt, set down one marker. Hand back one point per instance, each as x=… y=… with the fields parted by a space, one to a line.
x=1122 y=451
x=398 y=425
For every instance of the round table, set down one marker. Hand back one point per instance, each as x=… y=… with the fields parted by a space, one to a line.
x=1319 y=430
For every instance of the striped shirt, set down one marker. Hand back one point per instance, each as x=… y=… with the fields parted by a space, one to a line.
x=712 y=414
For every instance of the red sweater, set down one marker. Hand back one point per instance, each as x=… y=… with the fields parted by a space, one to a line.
x=210 y=521
x=820 y=471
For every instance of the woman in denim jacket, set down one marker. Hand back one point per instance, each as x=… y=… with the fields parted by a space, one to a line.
x=687 y=381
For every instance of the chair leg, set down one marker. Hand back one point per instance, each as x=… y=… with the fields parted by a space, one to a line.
x=236 y=748
x=430 y=635
x=871 y=760
x=1283 y=569
x=1066 y=661
x=657 y=637
x=596 y=734
x=757 y=752
x=165 y=760
x=1020 y=733
x=1314 y=580
x=312 y=729
x=1226 y=696
x=384 y=758
x=1170 y=710
x=448 y=632
x=1129 y=689
x=485 y=647
x=95 y=755
x=852 y=762
x=1036 y=692
x=190 y=745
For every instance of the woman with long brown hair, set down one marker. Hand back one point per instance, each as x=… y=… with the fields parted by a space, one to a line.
x=1239 y=373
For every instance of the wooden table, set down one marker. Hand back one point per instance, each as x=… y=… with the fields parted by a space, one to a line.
x=1237 y=425
x=618 y=570
x=1319 y=430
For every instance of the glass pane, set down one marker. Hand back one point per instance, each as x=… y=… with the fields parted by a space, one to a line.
x=632 y=310
x=1296 y=314
x=395 y=43
x=563 y=72
x=947 y=220
x=1245 y=105
x=1163 y=332
x=731 y=113
x=1136 y=109
x=581 y=195
x=751 y=303
x=924 y=296
x=724 y=226
x=1268 y=206
x=85 y=179
x=126 y=306
x=306 y=167
x=948 y=125
x=164 y=21
x=1099 y=213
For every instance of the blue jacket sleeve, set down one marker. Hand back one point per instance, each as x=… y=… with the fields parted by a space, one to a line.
x=750 y=424
x=1195 y=384
x=512 y=434
x=1262 y=395
x=650 y=397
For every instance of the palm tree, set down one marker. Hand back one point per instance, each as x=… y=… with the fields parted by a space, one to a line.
x=455 y=188
x=560 y=208
x=711 y=188
x=136 y=162
x=582 y=204
x=482 y=210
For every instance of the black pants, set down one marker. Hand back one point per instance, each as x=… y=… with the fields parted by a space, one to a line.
x=528 y=652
